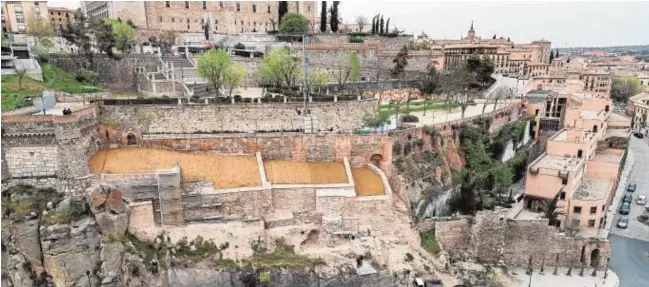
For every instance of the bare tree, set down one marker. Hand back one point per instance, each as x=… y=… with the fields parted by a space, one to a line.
x=501 y=93
x=360 y=21
x=273 y=22
x=312 y=26
x=457 y=87
x=20 y=72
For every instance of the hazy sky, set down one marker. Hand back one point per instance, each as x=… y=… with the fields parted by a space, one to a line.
x=564 y=23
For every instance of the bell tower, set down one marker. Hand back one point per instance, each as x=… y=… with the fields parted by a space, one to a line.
x=471 y=35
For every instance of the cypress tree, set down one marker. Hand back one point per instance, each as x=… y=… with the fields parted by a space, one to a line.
x=333 y=19
x=381 y=26
x=323 y=17
x=387 y=26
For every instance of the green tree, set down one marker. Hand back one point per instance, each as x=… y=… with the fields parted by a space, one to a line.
x=294 y=23
x=104 y=37
x=234 y=76
x=387 y=26
x=350 y=70
x=400 y=61
x=551 y=56
x=167 y=38
x=39 y=28
x=123 y=33
x=333 y=16
x=502 y=176
x=624 y=88
x=323 y=17
x=431 y=81
x=212 y=65
x=316 y=81
x=487 y=68
x=20 y=71
x=279 y=66
x=381 y=26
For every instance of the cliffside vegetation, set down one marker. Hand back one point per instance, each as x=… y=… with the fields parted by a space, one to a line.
x=485 y=180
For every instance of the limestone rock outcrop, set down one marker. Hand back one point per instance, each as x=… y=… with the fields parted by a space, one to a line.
x=109 y=208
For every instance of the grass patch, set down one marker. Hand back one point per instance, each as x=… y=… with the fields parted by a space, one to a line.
x=13 y=97
x=57 y=79
x=389 y=109
x=202 y=249
x=283 y=256
x=225 y=264
x=30 y=200
x=429 y=242
x=145 y=247
x=110 y=237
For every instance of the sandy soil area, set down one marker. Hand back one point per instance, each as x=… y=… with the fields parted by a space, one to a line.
x=223 y=171
x=367 y=182
x=279 y=171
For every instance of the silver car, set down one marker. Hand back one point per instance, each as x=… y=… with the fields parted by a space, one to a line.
x=641 y=200
x=623 y=222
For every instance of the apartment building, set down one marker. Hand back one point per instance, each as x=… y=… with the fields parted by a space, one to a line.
x=17 y=14
x=638 y=108
x=578 y=166
x=60 y=17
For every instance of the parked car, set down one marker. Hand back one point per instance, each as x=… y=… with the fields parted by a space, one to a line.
x=638 y=135
x=641 y=200
x=631 y=187
x=625 y=209
x=628 y=198
x=623 y=222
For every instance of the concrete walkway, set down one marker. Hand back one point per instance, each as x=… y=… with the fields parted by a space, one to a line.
x=561 y=280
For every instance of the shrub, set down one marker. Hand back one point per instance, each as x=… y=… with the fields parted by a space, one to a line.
x=408 y=118
x=429 y=242
x=409 y=257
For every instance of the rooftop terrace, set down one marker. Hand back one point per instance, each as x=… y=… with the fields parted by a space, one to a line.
x=593 y=189
x=556 y=162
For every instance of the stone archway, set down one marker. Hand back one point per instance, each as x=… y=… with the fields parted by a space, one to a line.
x=595 y=256
x=376 y=160
x=131 y=139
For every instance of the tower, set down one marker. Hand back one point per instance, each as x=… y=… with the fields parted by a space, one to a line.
x=471 y=35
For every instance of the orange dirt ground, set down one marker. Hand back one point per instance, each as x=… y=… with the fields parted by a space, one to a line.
x=293 y=172
x=367 y=182
x=223 y=171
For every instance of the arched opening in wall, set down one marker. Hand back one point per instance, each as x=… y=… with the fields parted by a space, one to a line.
x=607 y=108
x=97 y=145
x=582 y=258
x=107 y=135
x=594 y=258
x=130 y=139
x=376 y=160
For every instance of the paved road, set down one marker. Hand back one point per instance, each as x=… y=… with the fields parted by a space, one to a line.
x=640 y=176
x=630 y=260
x=561 y=280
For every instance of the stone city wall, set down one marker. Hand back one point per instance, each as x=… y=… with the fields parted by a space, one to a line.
x=388 y=43
x=32 y=161
x=49 y=151
x=296 y=147
x=491 y=238
x=265 y=117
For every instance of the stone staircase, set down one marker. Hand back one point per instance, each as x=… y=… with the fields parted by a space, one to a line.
x=178 y=62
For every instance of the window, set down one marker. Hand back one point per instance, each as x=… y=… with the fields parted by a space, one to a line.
x=51 y=13
x=216 y=22
x=187 y=20
x=168 y=4
x=593 y=210
x=239 y=8
x=204 y=5
x=241 y=23
x=601 y=221
x=591 y=223
x=562 y=195
x=564 y=181
x=159 y=18
x=254 y=8
x=173 y=19
x=268 y=9
x=36 y=3
x=221 y=4
x=603 y=208
x=186 y=4
x=580 y=153
x=577 y=209
x=59 y=13
x=308 y=8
